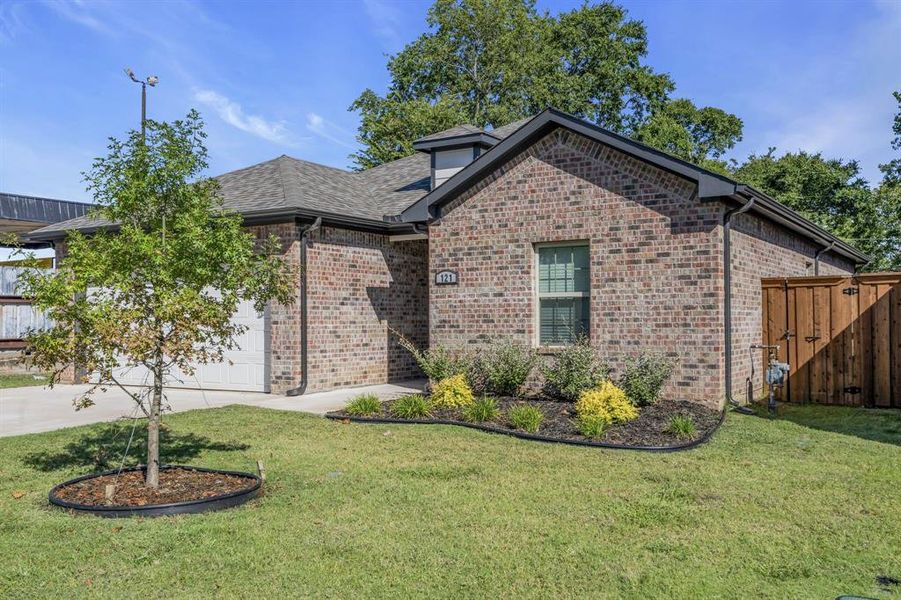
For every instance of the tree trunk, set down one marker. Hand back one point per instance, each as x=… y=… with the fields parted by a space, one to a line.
x=152 y=478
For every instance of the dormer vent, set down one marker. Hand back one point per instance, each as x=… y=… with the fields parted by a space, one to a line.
x=451 y=150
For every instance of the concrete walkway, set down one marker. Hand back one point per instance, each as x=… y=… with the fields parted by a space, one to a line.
x=36 y=409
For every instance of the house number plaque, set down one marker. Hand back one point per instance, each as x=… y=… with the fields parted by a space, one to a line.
x=446 y=278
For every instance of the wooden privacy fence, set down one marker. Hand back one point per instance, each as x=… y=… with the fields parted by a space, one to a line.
x=841 y=336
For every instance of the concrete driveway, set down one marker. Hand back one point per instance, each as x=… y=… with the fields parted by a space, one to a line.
x=36 y=409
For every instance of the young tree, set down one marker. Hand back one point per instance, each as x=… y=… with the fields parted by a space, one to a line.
x=491 y=62
x=157 y=284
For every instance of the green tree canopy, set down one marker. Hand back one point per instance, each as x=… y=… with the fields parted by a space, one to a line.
x=891 y=171
x=160 y=291
x=491 y=62
x=832 y=194
x=698 y=135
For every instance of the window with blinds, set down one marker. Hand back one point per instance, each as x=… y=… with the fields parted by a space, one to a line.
x=563 y=294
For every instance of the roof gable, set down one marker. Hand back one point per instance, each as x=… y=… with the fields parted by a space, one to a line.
x=710 y=185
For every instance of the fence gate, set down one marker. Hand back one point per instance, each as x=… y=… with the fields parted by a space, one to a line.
x=841 y=336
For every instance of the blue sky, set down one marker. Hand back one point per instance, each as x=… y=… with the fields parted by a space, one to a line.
x=276 y=78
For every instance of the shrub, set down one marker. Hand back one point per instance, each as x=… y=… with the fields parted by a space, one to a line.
x=483 y=409
x=576 y=369
x=643 y=378
x=683 y=427
x=607 y=402
x=411 y=406
x=505 y=367
x=452 y=392
x=526 y=417
x=436 y=363
x=363 y=405
x=593 y=426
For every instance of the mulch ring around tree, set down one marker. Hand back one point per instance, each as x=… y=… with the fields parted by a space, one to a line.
x=649 y=430
x=177 y=484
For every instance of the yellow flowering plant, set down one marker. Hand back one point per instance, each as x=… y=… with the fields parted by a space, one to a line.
x=452 y=392
x=608 y=402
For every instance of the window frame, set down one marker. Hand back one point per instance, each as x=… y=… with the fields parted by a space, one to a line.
x=538 y=295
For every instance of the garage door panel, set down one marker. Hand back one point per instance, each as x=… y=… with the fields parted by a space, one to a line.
x=247 y=371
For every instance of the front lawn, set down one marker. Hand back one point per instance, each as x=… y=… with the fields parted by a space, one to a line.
x=787 y=508
x=14 y=380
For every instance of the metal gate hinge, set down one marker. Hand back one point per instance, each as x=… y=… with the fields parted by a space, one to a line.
x=850 y=291
x=852 y=389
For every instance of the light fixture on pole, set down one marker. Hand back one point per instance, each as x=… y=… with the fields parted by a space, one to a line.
x=152 y=80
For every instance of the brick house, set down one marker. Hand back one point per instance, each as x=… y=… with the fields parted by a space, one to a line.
x=538 y=232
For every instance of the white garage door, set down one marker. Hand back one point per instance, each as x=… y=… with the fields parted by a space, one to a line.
x=247 y=371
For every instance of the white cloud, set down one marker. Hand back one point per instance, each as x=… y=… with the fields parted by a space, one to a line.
x=329 y=131
x=845 y=108
x=78 y=12
x=232 y=113
x=387 y=22
x=11 y=21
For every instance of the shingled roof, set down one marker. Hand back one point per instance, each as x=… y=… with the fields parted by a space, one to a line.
x=291 y=185
x=286 y=184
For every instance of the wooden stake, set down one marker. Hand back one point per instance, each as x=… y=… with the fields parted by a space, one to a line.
x=261 y=470
x=109 y=492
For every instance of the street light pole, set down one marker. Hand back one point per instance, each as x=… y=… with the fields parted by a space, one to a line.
x=152 y=80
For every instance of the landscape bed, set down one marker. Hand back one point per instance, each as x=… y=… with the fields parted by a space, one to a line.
x=181 y=490
x=649 y=431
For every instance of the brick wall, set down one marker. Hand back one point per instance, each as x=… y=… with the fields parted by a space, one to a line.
x=361 y=285
x=656 y=260
x=656 y=276
x=283 y=322
x=761 y=249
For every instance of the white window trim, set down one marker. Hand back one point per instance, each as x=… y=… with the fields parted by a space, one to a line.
x=537 y=295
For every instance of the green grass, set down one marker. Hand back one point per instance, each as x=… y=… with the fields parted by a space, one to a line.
x=363 y=405
x=593 y=426
x=768 y=508
x=14 y=380
x=526 y=417
x=411 y=406
x=483 y=409
x=683 y=427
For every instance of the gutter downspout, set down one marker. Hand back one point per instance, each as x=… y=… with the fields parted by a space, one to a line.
x=304 y=241
x=727 y=298
x=816 y=257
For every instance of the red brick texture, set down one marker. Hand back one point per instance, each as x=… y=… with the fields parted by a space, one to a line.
x=283 y=322
x=655 y=255
x=655 y=276
x=362 y=284
x=761 y=249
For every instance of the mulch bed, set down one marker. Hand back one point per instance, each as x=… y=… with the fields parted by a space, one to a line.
x=176 y=485
x=648 y=430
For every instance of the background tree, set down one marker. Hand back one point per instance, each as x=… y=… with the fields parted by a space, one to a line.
x=699 y=135
x=832 y=194
x=891 y=171
x=160 y=291
x=491 y=62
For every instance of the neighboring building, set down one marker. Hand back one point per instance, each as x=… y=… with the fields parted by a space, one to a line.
x=536 y=232
x=21 y=214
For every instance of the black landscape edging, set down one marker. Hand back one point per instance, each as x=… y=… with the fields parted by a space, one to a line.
x=533 y=436
x=159 y=510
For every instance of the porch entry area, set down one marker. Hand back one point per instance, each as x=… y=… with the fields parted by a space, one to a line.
x=841 y=336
